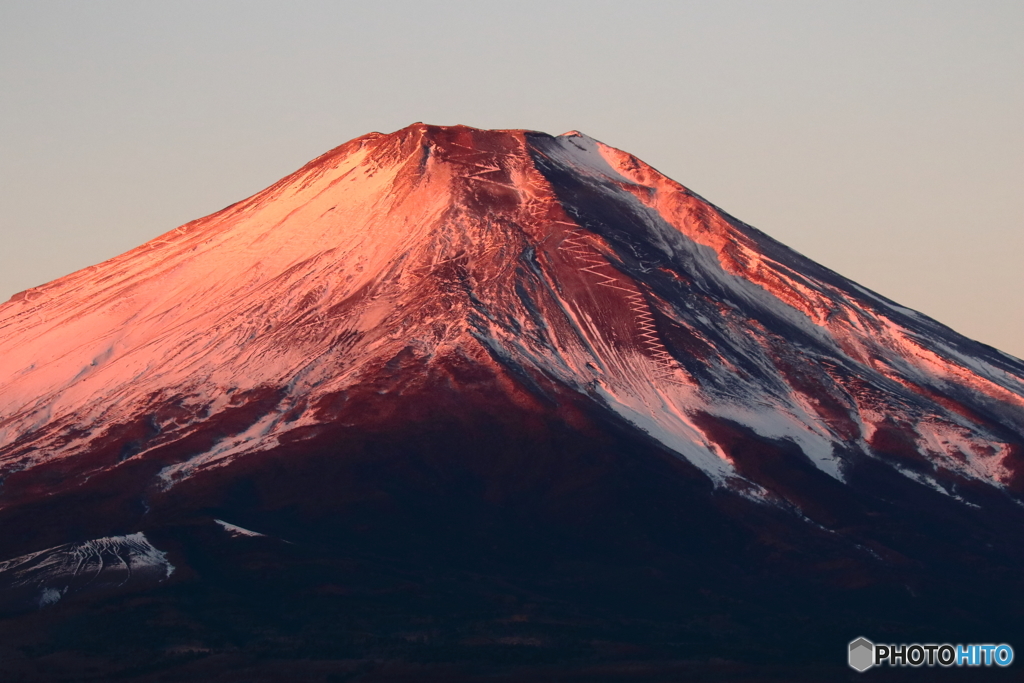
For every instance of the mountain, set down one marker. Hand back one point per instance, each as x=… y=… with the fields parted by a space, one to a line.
x=452 y=403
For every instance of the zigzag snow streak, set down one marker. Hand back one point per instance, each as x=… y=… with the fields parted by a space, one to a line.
x=648 y=332
x=650 y=341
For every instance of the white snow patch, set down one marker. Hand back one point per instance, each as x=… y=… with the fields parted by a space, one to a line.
x=671 y=429
x=925 y=480
x=776 y=422
x=256 y=437
x=960 y=451
x=237 y=530
x=50 y=596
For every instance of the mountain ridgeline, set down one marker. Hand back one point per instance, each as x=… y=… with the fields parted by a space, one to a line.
x=454 y=404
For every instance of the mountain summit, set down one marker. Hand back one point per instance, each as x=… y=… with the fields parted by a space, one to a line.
x=528 y=359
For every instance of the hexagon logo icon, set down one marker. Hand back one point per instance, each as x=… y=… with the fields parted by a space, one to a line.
x=862 y=654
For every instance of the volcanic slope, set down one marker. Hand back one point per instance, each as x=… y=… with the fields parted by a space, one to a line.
x=512 y=354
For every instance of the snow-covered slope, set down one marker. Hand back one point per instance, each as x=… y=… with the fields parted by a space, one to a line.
x=553 y=258
x=45 y=577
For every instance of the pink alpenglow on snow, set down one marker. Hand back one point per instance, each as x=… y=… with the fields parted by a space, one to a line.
x=567 y=260
x=459 y=403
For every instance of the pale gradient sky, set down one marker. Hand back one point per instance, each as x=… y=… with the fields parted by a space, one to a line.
x=883 y=139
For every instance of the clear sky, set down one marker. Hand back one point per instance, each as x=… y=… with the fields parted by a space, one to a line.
x=882 y=139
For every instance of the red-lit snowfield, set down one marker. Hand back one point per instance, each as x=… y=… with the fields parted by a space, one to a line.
x=407 y=286
x=450 y=245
